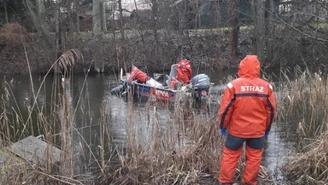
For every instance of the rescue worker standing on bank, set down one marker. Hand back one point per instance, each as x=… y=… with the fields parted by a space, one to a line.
x=137 y=75
x=247 y=111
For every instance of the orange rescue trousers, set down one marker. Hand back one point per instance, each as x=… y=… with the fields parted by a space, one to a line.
x=231 y=153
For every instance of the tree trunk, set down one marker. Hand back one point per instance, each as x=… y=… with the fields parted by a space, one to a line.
x=59 y=49
x=234 y=35
x=103 y=17
x=218 y=34
x=259 y=28
x=68 y=25
x=40 y=8
x=39 y=23
x=76 y=2
x=6 y=12
x=270 y=31
x=140 y=26
x=197 y=15
x=113 y=8
x=154 y=18
x=96 y=17
x=121 y=49
x=182 y=9
x=96 y=29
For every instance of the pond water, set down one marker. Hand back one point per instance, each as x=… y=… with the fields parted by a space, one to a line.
x=96 y=94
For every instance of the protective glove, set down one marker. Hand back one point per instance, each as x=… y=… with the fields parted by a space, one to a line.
x=223 y=132
x=266 y=133
x=133 y=82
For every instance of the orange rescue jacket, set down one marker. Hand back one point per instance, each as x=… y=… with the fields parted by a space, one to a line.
x=137 y=74
x=184 y=71
x=248 y=105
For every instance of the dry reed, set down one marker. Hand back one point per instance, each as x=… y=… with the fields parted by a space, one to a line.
x=309 y=167
x=302 y=103
x=184 y=148
x=15 y=125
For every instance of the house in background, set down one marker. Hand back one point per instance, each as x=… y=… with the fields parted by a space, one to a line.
x=133 y=13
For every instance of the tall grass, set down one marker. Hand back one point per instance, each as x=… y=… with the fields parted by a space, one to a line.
x=302 y=104
x=173 y=153
x=53 y=117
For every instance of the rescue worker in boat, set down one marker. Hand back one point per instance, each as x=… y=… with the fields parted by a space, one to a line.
x=184 y=70
x=137 y=75
x=247 y=111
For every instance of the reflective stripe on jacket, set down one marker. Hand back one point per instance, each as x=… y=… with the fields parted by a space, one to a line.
x=248 y=105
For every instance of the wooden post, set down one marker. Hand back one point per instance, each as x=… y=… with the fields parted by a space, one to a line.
x=67 y=156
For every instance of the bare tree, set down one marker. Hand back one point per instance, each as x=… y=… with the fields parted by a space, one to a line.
x=155 y=29
x=270 y=31
x=234 y=23
x=77 y=19
x=103 y=16
x=97 y=32
x=59 y=46
x=259 y=26
x=121 y=51
x=218 y=34
x=96 y=17
x=5 y=11
x=40 y=8
x=182 y=9
x=140 y=26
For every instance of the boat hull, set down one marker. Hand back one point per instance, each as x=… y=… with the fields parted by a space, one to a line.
x=154 y=94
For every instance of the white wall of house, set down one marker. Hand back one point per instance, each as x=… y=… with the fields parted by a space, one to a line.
x=128 y=6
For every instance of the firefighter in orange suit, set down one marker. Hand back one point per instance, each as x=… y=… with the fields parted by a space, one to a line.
x=137 y=75
x=247 y=111
x=184 y=70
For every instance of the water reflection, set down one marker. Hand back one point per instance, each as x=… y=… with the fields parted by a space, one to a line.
x=276 y=152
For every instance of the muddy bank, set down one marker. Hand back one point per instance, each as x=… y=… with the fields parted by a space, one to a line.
x=208 y=50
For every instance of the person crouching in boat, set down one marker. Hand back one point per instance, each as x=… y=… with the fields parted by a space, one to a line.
x=184 y=72
x=137 y=75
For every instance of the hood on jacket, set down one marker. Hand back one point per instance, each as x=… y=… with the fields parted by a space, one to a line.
x=249 y=67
